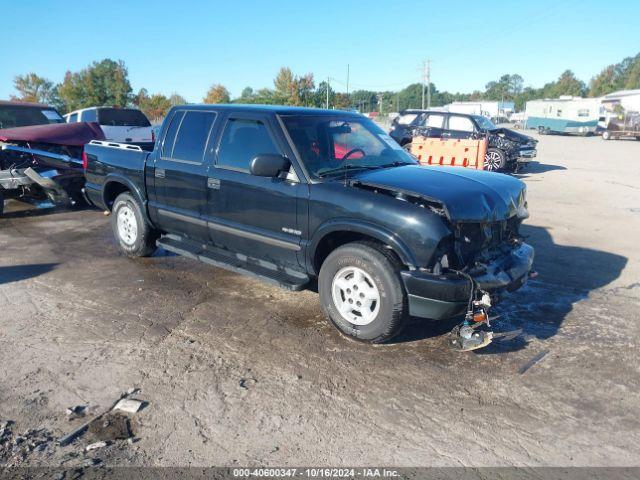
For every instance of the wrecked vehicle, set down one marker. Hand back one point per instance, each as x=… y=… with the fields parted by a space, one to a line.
x=507 y=150
x=304 y=197
x=625 y=125
x=40 y=155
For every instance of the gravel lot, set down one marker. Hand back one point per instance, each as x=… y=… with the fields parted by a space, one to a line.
x=236 y=372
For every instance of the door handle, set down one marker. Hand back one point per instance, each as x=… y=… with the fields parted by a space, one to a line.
x=159 y=173
x=213 y=183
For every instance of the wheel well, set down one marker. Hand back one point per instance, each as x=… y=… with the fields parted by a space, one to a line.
x=112 y=190
x=336 y=239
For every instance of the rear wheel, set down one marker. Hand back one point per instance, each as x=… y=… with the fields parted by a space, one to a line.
x=361 y=292
x=606 y=135
x=494 y=160
x=135 y=237
x=1 y=201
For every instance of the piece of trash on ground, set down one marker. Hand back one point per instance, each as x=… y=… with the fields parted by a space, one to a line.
x=95 y=446
x=533 y=361
x=129 y=405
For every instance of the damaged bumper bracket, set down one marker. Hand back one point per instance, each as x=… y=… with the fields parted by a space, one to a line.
x=447 y=295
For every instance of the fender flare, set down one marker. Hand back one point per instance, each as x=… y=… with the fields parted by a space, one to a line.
x=366 y=228
x=135 y=191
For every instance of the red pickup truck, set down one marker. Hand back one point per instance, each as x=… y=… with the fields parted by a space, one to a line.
x=40 y=155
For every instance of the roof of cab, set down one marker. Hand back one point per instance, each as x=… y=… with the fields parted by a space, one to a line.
x=259 y=108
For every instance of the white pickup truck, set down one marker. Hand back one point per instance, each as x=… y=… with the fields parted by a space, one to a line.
x=124 y=125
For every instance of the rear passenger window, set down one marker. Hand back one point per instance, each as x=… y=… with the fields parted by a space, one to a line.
x=170 y=137
x=242 y=141
x=192 y=136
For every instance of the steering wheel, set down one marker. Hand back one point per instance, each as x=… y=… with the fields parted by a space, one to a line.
x=351 y=152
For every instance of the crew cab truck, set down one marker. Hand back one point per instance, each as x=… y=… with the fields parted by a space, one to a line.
x=307 y=197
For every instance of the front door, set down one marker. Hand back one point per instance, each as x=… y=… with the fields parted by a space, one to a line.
x=251 y=215
x=459 y=127
x=180 y=175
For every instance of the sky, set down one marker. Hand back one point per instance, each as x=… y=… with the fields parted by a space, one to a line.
x=185 y=46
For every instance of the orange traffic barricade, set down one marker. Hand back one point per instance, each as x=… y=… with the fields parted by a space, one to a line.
x=450 y=153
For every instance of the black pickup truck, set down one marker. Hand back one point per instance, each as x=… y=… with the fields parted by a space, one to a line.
x=324 y=199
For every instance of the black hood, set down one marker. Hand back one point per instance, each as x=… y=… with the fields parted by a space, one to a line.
x=467 y=195
x=513 y=136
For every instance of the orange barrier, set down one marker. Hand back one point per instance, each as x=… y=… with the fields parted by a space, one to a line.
x=450 y=153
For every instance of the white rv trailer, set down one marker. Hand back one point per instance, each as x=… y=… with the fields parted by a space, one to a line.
x=563 y=115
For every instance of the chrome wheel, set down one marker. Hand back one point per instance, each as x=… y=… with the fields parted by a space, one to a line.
x=127 y=225
x=355 y=295
x=492 y=161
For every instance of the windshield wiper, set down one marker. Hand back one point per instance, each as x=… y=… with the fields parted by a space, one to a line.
x=394 y=164
x=345 y=168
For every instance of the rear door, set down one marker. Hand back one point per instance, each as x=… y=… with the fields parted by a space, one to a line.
x=180 y=174
x=251 y=215
x=459 y=127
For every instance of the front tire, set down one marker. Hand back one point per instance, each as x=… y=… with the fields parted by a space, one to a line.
x=134 y=236
x=494 y=160
x=606 y=135
x=361 y=292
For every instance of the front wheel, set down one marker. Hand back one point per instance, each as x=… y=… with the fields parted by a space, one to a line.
x=606 y=135
x=494 y=160
x=361 y=292
x=135 y=237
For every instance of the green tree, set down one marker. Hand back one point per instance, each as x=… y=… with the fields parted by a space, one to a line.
x=177 y=99
x=217 y=94
x=155 y=107
x=102 y=83
x=33 y=88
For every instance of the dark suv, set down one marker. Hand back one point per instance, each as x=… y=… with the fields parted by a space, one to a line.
x=506 y=151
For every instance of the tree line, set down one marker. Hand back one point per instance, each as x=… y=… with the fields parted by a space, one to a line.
x=106 y=82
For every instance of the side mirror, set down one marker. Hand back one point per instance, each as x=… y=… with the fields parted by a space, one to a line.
x=269 y=165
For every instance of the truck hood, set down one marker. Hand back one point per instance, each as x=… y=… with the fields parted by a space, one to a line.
x=465 y=195
x=68 y=134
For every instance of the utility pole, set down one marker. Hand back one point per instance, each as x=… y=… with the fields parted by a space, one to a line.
x=347 y=80
x=426 y=82
x=424 y=77
x=328 y=86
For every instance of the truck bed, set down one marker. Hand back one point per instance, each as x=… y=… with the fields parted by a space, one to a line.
x=107 y=161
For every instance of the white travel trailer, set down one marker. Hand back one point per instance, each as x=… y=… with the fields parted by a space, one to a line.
x=563 y=115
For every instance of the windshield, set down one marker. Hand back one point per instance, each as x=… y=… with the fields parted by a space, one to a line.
x=20 y=116
x=122 y=117
x=333 y=144
x=484 y=123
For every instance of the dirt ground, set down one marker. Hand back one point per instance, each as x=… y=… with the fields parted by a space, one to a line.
x=236 y=372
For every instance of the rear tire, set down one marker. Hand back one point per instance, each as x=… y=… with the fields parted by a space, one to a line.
x=361 y=292
x=1 y=201
x=134 y=236
x=494 y=160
